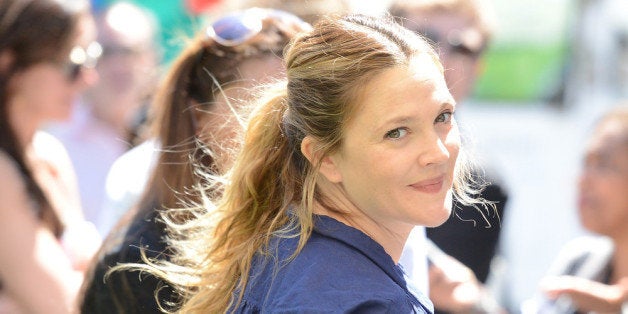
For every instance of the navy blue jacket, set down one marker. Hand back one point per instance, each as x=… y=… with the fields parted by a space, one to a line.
x=340 y=270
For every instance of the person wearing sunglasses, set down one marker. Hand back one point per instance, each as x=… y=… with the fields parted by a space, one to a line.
x=46 y=244
x=460 y=31
x=102 y=120
x=197 y=122
x=339 y=162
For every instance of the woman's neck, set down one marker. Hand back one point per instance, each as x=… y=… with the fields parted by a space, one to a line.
x=391 y=235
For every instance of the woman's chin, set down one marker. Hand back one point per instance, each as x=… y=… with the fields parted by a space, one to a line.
x=438 y=218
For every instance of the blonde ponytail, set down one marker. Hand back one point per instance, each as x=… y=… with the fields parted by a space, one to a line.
x=253 y=208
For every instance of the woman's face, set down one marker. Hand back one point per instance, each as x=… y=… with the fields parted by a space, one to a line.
x=398 y=153
x=46 y=91
x=603 y=186
x=220 y=126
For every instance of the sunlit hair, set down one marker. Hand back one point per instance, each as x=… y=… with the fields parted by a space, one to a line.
x=272 y=186
x=194 y=83
x=479 y=11
x=196 y=79
x=31 y=32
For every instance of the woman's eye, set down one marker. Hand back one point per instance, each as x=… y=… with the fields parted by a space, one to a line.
x=444 y=117
x=396 y=133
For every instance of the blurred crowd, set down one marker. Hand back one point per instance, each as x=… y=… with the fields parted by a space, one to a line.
x=103 y=140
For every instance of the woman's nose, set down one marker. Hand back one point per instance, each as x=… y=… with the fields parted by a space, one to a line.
x=435 y=151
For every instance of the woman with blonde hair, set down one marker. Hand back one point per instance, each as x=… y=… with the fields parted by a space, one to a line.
x=196 y=119
x=338 y=164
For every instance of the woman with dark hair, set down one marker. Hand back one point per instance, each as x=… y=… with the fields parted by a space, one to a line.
x=43 y=55
x=590 y=273
x=196 y=119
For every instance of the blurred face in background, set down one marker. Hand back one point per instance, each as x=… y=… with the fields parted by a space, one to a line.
x=221 y=126
x=48 y=89
x=458 y=41
x=124 y=67
x=603 y=186
x=127 y=69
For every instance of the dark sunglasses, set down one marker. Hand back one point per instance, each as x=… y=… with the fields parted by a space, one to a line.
x=453 y=44
x=119 y=50
x=80 y=58
x=239 y=27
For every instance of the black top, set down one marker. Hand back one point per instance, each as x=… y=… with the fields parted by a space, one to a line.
x=127 y=291
x=471 y=234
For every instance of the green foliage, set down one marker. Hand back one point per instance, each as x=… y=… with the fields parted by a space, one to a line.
x=521 y=72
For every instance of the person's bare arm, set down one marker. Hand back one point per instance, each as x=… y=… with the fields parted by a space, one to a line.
x=587 y=295
x=34 y=270
x=454 y=288
x=80 y=240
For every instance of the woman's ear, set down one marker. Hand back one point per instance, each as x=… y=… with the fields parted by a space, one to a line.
x=329 y=167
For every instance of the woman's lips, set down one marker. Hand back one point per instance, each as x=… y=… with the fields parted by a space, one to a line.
x=431 y=186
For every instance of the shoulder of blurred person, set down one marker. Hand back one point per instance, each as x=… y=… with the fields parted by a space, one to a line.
x=53 y=152
x=126 y=181
x=585 y=256
x=92 y=147
x=413 y=259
